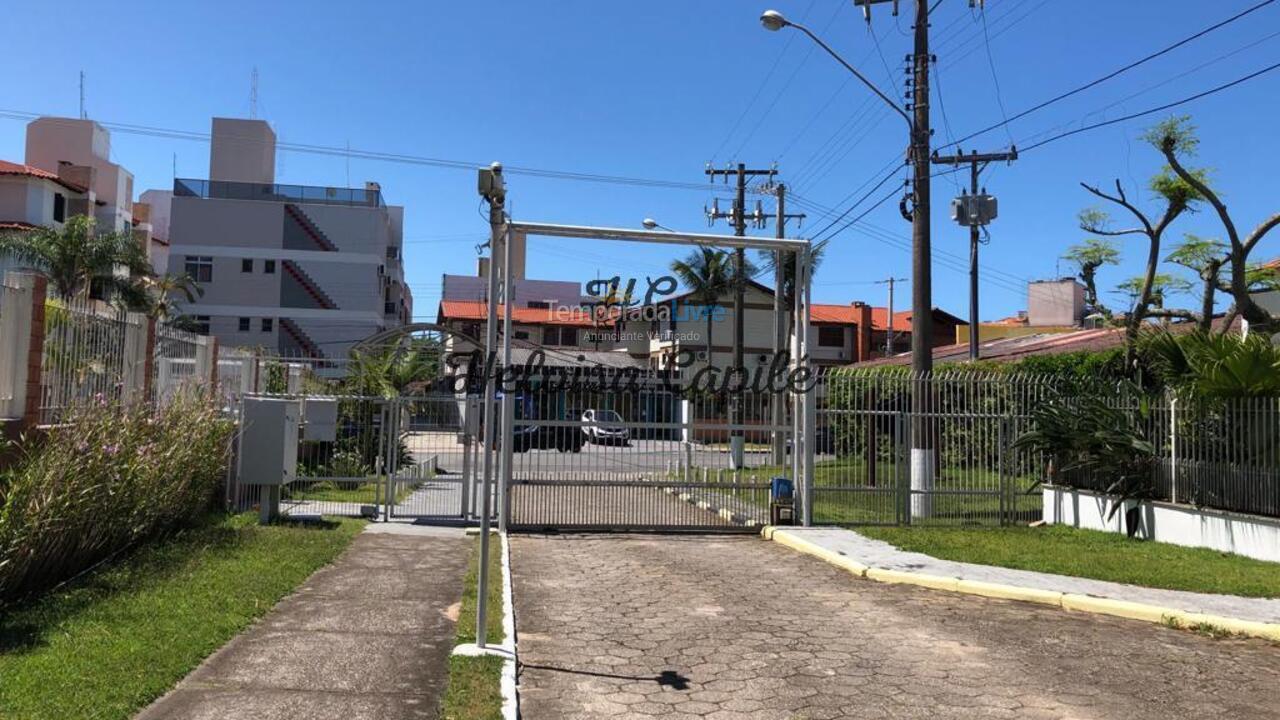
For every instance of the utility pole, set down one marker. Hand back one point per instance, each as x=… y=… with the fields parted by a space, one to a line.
x=778 y=413
x=737 y=216
x=976 y=210
x=888 y=344
x=922 y=451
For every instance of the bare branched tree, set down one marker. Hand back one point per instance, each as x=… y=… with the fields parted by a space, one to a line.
x=1175 y=139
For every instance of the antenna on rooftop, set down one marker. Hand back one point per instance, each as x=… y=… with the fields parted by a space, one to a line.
x=253 y=94
x=83 y=114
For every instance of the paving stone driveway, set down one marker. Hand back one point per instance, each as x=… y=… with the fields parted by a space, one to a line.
x=737 y=627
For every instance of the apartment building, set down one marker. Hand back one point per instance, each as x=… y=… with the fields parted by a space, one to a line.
x=295 y=269
x=80 y=151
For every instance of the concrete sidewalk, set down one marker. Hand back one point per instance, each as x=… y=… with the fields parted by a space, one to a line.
x=367 y=637
x=850 y=546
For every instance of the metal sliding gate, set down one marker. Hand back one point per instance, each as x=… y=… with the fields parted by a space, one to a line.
x=646 y=460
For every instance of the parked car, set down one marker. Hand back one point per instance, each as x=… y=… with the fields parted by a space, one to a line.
x=543 y=437
x=604 y=427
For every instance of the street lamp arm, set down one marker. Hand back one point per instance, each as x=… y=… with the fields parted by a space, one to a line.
x=855 y=72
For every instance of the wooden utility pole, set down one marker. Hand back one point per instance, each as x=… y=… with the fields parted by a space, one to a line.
x=975 y=210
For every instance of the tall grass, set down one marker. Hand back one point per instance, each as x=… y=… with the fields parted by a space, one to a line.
x=108 y=476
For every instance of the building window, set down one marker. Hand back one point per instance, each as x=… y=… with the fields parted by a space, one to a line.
x=520 y=335
x=59 y=207
x=244 y=324
x=199 y=268
x=202 y=324
x=246 y=265
x=561 y=336
x=268 y=324
x=269 y=267
x=539 y=304
x=393 y=252
x=829 y=336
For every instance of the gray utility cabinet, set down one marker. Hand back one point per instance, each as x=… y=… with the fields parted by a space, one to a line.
x=320 y=419
x=269 y=441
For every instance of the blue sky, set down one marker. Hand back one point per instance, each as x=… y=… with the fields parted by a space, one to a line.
x=656 y=90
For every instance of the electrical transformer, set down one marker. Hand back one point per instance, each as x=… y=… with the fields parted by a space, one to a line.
x=970 y=210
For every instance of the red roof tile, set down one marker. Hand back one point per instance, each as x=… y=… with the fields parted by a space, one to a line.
x=478 y=310
x=9 y=168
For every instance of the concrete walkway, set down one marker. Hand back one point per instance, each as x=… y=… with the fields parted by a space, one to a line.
x=367 y=637
x=879 y=554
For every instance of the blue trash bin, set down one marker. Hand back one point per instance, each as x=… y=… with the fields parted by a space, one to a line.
x=781 y=488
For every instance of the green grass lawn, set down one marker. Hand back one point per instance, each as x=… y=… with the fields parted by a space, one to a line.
x=843 y=494
x=363 y=494
x=1092 y=554
x=108 y=644
x=474 y=691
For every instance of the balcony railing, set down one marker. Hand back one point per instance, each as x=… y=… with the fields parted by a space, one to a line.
x=267 y=192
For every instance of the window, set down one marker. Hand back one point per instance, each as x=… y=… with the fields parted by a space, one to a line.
x=393 y=252
x=539 y=304
x=199 y=267
x=829 y=336
x=563 y=336
x=520 y=335
x=202 y=324
x=269 y=267
x=246 y=265
x=59 y=207
x=244 y=324
x=268 y=324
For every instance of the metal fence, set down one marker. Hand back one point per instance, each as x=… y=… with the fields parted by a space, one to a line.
x=84 y=356
x=650 y=458
x=175 y=362
x=869 y=422
x=1222 y=454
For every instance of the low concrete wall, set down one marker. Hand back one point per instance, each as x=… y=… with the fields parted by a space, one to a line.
x=1248 y=535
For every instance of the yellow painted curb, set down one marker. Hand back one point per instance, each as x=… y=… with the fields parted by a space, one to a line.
x=1269 y=631
x=771 y=533
x=896 y=577
x=1068 y=601
x=1010 y=592
x=1118 y=608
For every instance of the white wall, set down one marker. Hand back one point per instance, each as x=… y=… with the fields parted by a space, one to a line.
x=1248 y=535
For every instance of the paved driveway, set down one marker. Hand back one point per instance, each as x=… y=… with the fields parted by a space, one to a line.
x=735 y=627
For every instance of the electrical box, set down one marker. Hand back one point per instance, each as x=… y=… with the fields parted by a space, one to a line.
x=320 y=419
x=269 y=441
x=970 y=210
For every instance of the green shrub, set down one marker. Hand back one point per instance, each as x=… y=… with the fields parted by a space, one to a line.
x=109 y=476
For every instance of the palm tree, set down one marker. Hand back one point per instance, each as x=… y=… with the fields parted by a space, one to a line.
x=1089 y=256
x=392 y=371
x=789 y=289
x=159 y=292
x=708 y=273
x=77 y=258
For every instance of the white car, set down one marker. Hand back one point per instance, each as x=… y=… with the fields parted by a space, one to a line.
x=604 y=427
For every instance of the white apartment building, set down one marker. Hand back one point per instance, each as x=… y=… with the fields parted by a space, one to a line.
x=294 y=269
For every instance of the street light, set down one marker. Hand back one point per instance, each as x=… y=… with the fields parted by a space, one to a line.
x=773 y=21
x=651 y=224
x=922 y=450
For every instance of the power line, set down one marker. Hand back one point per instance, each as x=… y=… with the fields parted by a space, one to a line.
x=338 y=151
x=1152 y=111
x=1120 y=71
x=995 y=78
